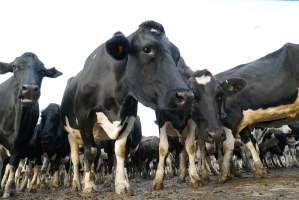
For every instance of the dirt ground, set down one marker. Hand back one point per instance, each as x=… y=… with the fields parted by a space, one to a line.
x=279 y=184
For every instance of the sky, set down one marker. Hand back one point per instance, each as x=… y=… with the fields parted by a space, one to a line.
x=213 y=35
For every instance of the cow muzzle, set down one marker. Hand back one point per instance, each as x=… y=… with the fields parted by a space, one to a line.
x=29 y=94
x=217 y=135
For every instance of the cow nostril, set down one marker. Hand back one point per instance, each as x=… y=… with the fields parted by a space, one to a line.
x=180 y=97
x=24 y=87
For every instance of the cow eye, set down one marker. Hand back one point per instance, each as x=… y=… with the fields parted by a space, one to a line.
x=147 y=50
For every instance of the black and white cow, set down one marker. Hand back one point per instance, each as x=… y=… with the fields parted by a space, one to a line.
x=19 y=108
x=261 y=93
x=101 y=100
x=52 y=139
x=201 y=117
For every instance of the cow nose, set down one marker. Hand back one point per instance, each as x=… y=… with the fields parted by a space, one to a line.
x=184 y=98
x=29 y=92
x=30 y=88
x=217 y=135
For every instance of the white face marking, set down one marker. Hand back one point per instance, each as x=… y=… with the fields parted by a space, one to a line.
x=203 y=80
x=154 y=30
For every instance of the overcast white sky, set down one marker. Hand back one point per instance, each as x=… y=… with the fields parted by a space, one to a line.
x=212 y=35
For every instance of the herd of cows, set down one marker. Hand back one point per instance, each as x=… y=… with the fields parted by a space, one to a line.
x=242 y=118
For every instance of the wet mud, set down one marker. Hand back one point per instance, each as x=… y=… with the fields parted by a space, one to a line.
x=279 y=184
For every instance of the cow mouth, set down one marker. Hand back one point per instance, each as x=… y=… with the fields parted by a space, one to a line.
x=26 y=100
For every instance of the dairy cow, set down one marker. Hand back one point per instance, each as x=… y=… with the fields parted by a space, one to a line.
x=19 y=109
x=101 y=100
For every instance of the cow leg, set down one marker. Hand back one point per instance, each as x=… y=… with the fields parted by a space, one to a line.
x=182 y=167
x=190 y=149
x=76 y=185
x=44 y=171
x=163 y=151
x=203 y=171
x=259 y=170
x=18 y=174
x=55 y=164
x=10 y=184
x=36 y=173
x=121 y=178
x=228 y=148
x=5 y=176
x=89 y=181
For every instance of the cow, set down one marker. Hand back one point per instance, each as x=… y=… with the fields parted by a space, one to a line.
x=52 y=139
x=197 y=121
x=262 y=93
x=19 y=109
x=100 y=102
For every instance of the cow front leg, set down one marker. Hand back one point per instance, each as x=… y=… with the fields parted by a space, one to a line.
x=121 y=178
x=89 y=180
x=34 y=180
x=76 y=185
x=10 y=184
x=182 y=167
x=163 y=150
x=203 y=157
x=190 y=149
x=258 y=168
x=228 y=147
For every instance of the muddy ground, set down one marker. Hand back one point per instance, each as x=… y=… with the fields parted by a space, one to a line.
x=279 y=184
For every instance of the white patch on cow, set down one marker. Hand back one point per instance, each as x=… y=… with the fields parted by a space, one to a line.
x=89 y=184
x=75 y=161
x=163 y=150
x=112 y=129
x=189 y=131
x=104 y=155
x=153 y=30
x=228 y=146
x=94 y=56
x=75 y=133
x=269 y=114
x=203 y=80
x=255 y=156
x=121 y=178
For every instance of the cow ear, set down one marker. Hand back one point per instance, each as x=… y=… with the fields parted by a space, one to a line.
x=5 y=67
x=233 y=86
x=118 y=46
x=52 y=73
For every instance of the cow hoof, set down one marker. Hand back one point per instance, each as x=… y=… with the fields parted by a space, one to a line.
x=6 y=195
x=195 y=182
x=90 y=189
x=221 y=179
x=259 y=171
x=76 y=185
x=157 y=185
x=122 y=188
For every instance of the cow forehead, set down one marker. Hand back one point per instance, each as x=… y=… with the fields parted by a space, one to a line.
x=203 y=80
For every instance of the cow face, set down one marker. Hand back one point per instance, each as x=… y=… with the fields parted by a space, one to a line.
x=209 y=98
x=28 y=73
x=205 y=109
x=151 y=70
x=50 y=121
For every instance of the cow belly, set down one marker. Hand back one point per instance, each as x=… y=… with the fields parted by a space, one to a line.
x=269 y=114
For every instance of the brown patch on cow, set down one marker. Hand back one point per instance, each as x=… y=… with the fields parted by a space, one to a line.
x=269 y=114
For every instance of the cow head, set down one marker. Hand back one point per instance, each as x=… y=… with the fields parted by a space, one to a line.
x=150 y=70
x=208 y=102
x=50 y=121
x=28 y=73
